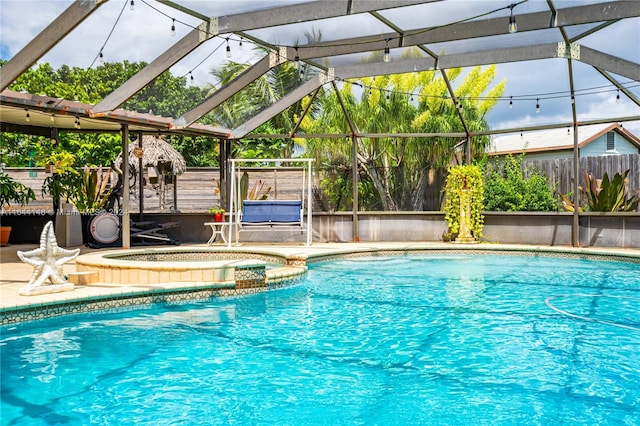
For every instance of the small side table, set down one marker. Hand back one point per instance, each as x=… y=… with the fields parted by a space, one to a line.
x=217 y=228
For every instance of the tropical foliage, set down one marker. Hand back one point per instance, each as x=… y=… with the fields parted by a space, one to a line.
x=396 y=170
x=12 y=191
x=167 y=96
x=605 y=195
x=510 y=187
x=93 y=190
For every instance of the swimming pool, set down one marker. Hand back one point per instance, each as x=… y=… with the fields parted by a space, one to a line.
x=440 y=339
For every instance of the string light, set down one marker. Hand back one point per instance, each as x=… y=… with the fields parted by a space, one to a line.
x=228 y=49
x=191 y=77
x=618 y=96
x=77 y=122
x=387 y=55
x=459 y=103
x=101 y=56
x=513 y=27
x=132 y=5
x=27 y=117
x=173 y=27
x=301 y=71
x=240 y=44
x=297 y=58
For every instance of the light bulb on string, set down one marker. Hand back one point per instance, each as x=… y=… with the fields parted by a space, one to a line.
x=511 y=102
x=618 y=97
x=228 y=49
x=101 y=56
x=27 y=117
x=297 y=58
x=191 y=77
x=387 y=53
x=301 y=73
x=173 y=27
x=538 y=105
x=513 y=27
x=132 y=5
x=240 y=44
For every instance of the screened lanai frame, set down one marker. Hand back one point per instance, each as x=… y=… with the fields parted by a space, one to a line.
x=448 y=36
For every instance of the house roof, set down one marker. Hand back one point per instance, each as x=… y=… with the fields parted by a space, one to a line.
x=555 y=139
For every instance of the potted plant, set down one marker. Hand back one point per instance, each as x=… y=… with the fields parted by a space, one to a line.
x=12 y=191
x=91 y=196
x=464 y=203
x=218 y=214
x=64 y=179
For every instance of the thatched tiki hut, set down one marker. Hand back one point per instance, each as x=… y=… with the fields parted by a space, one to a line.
x=161 y=162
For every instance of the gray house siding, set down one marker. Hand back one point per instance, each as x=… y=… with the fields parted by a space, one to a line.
x=599 y=146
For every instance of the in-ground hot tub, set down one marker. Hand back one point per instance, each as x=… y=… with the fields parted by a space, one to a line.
x=191 y=265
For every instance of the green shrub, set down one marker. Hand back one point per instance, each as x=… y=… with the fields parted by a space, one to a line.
x=507 y=189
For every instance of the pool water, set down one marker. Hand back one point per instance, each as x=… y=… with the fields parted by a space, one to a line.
x=424 y=340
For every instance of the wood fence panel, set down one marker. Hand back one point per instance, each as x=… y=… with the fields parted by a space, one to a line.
x=560 y=172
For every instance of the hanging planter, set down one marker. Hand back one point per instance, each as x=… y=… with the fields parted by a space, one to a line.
x=464 y=203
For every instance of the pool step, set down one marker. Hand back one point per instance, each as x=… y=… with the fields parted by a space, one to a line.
x=83 y=278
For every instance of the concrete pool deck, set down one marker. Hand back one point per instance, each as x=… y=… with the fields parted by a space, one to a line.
x=15 y=274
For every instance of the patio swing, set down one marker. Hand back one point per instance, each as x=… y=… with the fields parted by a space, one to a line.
x=266 y=210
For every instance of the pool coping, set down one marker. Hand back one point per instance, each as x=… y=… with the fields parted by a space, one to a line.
x=295 y=259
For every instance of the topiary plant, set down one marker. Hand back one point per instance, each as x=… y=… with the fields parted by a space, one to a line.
x=464 y=181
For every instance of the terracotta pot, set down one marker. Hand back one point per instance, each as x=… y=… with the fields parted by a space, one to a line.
x=4 y=235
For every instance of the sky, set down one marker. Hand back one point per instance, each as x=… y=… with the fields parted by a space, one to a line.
x=143 y=33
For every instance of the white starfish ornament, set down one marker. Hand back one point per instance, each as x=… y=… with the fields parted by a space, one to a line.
x=47 y=262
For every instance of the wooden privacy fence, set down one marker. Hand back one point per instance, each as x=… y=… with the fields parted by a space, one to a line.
x=560 y=172
x=196 y=187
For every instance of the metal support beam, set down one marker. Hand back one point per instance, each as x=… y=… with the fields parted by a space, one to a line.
x=575 y=228
x=354 y=163
x=620 y=87
x=163 y=62
x=610 y=63
x=283 y=103
x=303 y=12
x=225 y=92
x=469 y=30
x=77 y=12
x=456 y=103
x=354 y=180
x=125 y=217
x=140 y=178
